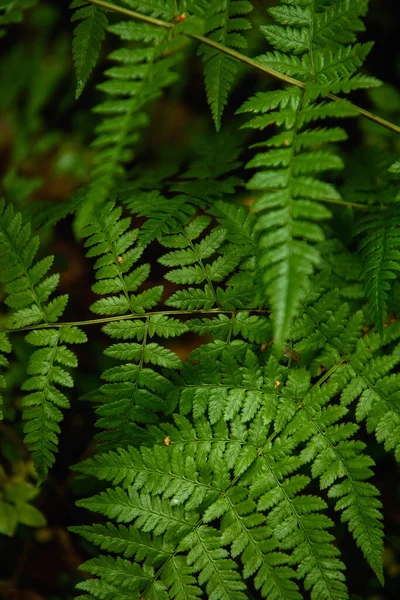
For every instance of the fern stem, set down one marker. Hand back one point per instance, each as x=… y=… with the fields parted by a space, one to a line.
x=352 y=204
x=142 y=316
x=328 y=373
x=244 y=59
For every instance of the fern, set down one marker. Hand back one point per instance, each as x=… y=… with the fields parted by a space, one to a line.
x=137 y=80
x=336 y=456
x=199 y=269
x=359 y=363
x=225 y=25
x=379 y=248
x=167 y=468
x=226 y=467
x=380 y=253
x=88 y=36
x=132 y=392
x=157 y=482
x=290 y=207
x=28 y=289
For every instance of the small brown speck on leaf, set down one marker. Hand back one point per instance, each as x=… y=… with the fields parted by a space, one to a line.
x=167 y=441
x=180 y=18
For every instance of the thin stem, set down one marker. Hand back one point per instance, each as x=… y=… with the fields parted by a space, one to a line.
x=352 y=204
x=242 y=58
x=210 y=311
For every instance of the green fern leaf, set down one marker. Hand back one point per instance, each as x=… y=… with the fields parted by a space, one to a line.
x=289 y=205
x=28 y=289
x=133 y=392
x=224 y=26
x=217 y=571
x=88 y=36
x=137 y=80
x=380 y=253
x=336 y=456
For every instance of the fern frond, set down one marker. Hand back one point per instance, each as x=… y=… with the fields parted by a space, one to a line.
x=380 y=254
x=359 y=364
x=133 y=390
x=340 y=22
x=267 y=474
x=126 y=541
x=297 y=520
x=210 y=261
x=249 y=537
x=138 y=79
x=289 y=185
x=162 y=490
x=225 y=25
x=225 y=388
x=370 y=381
x=335 y=455
x=216 y=571
x=163 y=215
x=88 y=36
x=28 y=289
x=42 y=406
x=325 y=331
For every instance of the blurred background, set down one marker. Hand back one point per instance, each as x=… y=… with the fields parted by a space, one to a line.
x=45 y=156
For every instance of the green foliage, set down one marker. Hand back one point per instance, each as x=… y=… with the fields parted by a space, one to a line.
x=132 y=392
x=88 y=36
x=231 y=465
x=16 y=495
x=380 y=253
x=225 y=25
x=137 y=79
x=28 y=290
x=251 y=349
x=290 y=204
x=11 y=11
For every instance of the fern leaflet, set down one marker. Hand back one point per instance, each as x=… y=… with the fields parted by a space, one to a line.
x=29 y=288
x=88 y=36
x=132 y=389
x=380 y=253
x=225 y=25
